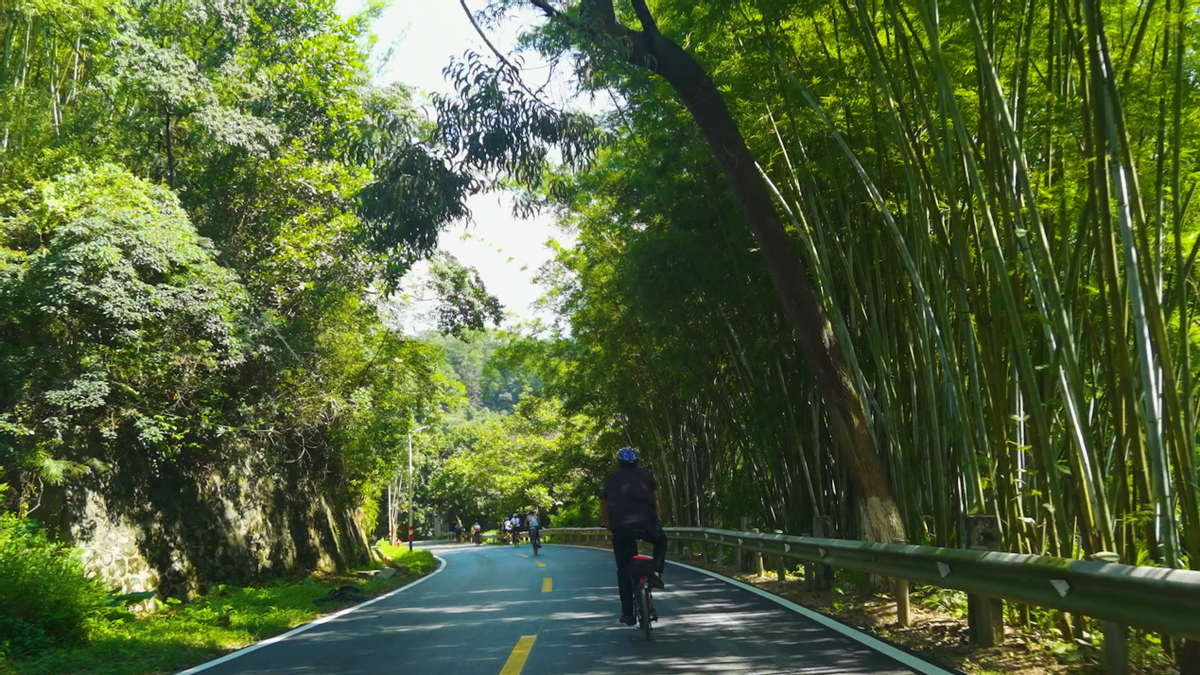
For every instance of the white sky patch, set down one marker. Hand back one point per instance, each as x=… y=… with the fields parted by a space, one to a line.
x=423 y=36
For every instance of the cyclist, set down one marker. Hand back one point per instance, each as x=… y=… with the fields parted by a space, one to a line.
x=516 y=529
x=629 y=508
x=457 y=529
x=535 y=537
x=478 y=533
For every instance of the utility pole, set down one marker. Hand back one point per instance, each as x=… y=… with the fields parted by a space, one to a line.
x=410 y=487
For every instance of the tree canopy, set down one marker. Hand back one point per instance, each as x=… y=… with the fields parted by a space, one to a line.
x=203 y=206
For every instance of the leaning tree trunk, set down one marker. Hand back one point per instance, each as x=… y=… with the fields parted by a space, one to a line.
x=651 y=50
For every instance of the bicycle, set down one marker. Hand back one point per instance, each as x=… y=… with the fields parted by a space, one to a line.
x=641 y=570
x=535 y=539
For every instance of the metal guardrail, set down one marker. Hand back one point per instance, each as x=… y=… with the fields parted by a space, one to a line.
x=505 y=536
x=1151 y=598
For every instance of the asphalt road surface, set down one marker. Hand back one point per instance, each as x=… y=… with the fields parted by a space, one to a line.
x=500 y=610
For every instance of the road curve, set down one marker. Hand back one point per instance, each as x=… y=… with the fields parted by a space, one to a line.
x=471 y=617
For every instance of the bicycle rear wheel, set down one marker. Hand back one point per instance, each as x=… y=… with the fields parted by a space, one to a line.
x=644 y=610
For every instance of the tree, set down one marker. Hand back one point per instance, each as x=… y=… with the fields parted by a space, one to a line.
x=463 y=302
x=244 y=145
x=117 y=327
x=596 y=27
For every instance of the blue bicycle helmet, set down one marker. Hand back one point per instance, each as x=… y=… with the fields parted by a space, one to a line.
x=627 y=455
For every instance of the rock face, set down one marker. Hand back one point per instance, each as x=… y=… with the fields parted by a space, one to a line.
x=182 y=532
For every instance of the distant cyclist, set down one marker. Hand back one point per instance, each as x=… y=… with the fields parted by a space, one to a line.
x=516 y=529
x=629 y=507
x=535 y=529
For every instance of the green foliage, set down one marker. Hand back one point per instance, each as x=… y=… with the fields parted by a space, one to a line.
x=495 y=367
x=1002 y=256
x=48 y=600
x=464 y=304
x=943 y=600
x=418 y=562
x=580 y=514
x=180 y=635
x=490 y=470
x=414 y=197
x=113 y=310
x=497 y=126
x=510 y=448
x=198 y=203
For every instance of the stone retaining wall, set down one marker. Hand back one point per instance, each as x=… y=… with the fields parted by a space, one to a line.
x=181 y=533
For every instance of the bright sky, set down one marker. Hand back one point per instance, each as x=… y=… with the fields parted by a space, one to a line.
x=424 y=35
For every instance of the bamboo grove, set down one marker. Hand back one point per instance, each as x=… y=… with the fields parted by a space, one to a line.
x=992 y=202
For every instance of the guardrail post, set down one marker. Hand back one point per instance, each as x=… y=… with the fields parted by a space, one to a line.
x=810 y=569
x=743 y=561
x=781 y=563
x=1189 y=657
x=902 y=614
x=985 y=615
x=824 y=527
x=901 y=586
x=720 y=552
x=1116 y=649
x=756 y=559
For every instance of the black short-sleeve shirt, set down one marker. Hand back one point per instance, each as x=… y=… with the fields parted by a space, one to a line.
x=630 y=495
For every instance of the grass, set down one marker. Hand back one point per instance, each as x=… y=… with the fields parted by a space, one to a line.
x=419 y=562
x=184 y=635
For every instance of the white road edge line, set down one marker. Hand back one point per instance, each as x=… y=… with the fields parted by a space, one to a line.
x=918 y=664
x=915 y=663
x=312 y=624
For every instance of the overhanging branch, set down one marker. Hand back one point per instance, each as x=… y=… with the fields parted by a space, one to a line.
x=507 y=64
x=547 y=9
x=600 y=24
x=644 y=16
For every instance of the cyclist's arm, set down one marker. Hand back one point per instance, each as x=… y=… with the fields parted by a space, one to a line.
x=604 y=513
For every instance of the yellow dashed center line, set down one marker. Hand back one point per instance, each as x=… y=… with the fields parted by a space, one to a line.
x=516 y=660
x=541 y=564
x=547 y=585
x=522 y=555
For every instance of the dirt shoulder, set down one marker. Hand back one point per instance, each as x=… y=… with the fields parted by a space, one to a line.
x=938 y=628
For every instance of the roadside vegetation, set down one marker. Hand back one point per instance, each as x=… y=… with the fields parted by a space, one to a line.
x=938 y=629
x=58 y=621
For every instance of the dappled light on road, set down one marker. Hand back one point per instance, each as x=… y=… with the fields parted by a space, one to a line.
x=707 y=626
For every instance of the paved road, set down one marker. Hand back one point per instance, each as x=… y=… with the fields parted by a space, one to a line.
x=469 y=618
